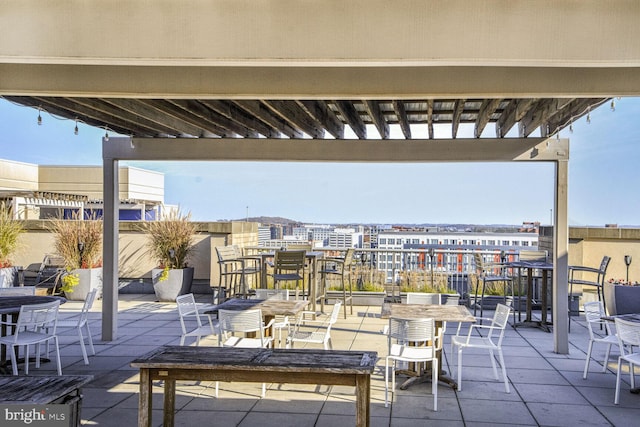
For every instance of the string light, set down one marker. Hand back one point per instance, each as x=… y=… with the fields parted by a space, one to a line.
x=39 y=117
x=75 y=130
x=571 y=126
x=589 y=115
x=106 y=133
x=613 y=105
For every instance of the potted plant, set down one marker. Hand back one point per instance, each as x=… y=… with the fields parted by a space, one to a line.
x=10 y=231
x=79 y=243
x=170 y=243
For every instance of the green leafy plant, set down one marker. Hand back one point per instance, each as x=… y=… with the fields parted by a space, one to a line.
x=170 y=241
x=79 y=243
x=10 y=231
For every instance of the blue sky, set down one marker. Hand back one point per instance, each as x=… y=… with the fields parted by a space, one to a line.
x=603 y=178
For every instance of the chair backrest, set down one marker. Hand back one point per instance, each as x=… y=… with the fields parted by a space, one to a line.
x=348 y=258
x=88 y=303
x=628 y=335
x=187 y=307
x=299 y=247
x=225 y=253
x=423 y=298
x=38 y=317
x=277 y=294
x=593 y=312
x=17 y=291
x=602 y=271
x=289 y=261
x=499 y=321
x=240 y=321
x=414 y=331
x=532 y=255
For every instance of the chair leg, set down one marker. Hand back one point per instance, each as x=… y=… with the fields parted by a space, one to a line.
x=82 y=347
x=459 y=368
x=586 y=363
x=504 y=371
x=93 y=350
x=55 y=340
x=616 y=399
x=14 y=362
x=434 y=382
x=493 y=364
x=606 y=358
x=386 y=383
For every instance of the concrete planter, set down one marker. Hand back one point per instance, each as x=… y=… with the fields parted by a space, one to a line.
x=359 y=297
x=177 y=283
x=621 y=299
x=89 y=278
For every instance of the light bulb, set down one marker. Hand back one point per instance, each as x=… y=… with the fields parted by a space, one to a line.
x=571 y=126
x=588 y=117
x=106 y=135
x=39 y=118
x=613 y=105
x=75 y=129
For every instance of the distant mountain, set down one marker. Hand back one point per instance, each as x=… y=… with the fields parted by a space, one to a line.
x=269 y=220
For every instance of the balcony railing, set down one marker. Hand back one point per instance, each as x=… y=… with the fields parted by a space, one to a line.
x=403 y=270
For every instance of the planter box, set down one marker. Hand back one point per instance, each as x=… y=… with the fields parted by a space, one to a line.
x=178 y=283
x=621 y=299
x=359 y=297
x=489 y=302
x=89 y=278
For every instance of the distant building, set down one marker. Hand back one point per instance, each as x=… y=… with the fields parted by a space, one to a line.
x=39 y=192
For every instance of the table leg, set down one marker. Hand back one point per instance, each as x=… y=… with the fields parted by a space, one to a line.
x=169 y=402
x=144 y=401
x=363 y=400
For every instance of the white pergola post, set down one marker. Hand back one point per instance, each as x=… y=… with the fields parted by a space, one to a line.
x=110 y=248
x=561 y=260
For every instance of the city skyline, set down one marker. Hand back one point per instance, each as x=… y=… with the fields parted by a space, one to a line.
x=601 y=178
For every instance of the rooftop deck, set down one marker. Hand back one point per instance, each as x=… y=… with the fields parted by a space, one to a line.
x=547 y=388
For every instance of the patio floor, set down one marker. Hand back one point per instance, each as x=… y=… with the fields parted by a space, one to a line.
x=546 y=388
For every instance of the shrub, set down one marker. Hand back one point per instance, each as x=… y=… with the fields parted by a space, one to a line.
x=170 y=240
x=10 y=231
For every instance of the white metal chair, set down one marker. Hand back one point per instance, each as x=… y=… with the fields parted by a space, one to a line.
x=82 y=321
x=17 y=291
x=492 y=342
x=593 y=312
x=416 y=343
x=234 y=323
x=423 y=298
x=188 y=309
x=628 y=338
x=321 y=333
x=36 y=325
x=280 y=322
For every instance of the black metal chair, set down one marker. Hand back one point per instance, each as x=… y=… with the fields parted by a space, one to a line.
x=489 y=273
x=589 y=276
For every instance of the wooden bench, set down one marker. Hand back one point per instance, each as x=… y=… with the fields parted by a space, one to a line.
x=44 y=390
x=296 y=366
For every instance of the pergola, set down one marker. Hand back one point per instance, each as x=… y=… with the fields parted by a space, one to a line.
x=280 y=81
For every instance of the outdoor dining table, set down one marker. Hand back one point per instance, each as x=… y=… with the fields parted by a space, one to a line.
x=440 y=314
x=270 y=307
x=293 y=366
x=530 y=266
